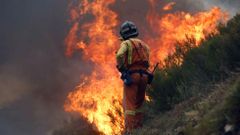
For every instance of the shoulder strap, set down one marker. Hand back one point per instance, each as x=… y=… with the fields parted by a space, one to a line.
x=136 y=49
x=129 y=53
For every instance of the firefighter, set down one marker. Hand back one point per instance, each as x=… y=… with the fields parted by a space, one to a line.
x=133 y=62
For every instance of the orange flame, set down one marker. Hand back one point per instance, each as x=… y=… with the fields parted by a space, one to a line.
x=99 y=97
x=177 y=27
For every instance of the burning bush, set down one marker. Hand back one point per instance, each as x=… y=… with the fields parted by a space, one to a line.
x=209 y=62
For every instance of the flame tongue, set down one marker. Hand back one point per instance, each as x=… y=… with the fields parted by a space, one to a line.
x=179 y=26
x=98 y=101
x=169 y=6
x=99 y=97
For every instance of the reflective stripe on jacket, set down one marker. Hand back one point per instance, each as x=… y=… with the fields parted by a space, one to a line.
x=133 y=112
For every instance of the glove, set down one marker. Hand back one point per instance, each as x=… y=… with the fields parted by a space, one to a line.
x=120 y=69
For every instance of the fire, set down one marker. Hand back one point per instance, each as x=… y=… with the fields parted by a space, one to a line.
x=98 y=98
x=177 y=27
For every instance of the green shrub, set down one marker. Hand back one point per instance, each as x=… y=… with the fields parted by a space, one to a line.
x=226 y=112
x=210 y=62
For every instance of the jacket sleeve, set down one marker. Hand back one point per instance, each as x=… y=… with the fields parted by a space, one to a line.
x=120 y=55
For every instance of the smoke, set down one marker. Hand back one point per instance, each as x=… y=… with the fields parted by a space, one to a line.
x=35 y=76
x=12 y=86
x=231 y=6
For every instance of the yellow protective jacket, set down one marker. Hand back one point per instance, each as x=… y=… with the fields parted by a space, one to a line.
x=132 y=52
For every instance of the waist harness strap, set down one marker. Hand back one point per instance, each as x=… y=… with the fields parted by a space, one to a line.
x=140 y=71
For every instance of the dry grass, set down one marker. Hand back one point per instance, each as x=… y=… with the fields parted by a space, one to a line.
x=188 y=113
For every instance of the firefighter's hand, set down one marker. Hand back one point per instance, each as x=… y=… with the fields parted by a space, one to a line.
x=120 y=68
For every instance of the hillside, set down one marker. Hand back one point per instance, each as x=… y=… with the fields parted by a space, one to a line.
x=199 y=96
x=199 y=115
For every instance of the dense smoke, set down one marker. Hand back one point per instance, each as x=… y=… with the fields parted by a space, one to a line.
x=35 y=76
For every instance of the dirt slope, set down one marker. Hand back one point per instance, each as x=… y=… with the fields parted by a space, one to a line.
x=190 y=114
